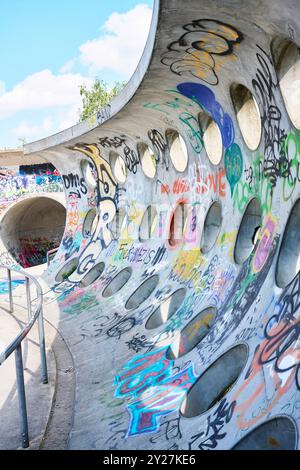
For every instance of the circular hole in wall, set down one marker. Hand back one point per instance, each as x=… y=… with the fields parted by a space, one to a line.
x=117 y=223
x=215 y=382
x=67 y=270
x=32 y=227
x=286 y=56
x=142 y=292
x=118 y=167
x=89 y=173
x=212 y=138
x=191 y=335
x=92 y=275
x=166 y=309
x=247 y=113
x=89 y=224
x=147 y=159
x=177 y=224
x=116 y=284
x=288 y=262
x=178 y=150
x=148 y=224
x=277 y=434
x=248 y=231
x=212 y=226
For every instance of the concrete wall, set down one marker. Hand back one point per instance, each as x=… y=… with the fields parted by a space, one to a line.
x=214 y=98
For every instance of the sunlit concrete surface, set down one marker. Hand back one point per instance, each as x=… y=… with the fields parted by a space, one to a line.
x=205 y=141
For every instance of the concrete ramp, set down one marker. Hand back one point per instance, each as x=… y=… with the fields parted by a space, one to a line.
x=177 y=278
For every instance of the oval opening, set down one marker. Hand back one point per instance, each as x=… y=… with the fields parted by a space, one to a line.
x=92 y=275
x=286 y=56
x=215 y=382
x=248 y=115
x=67 y=270
x=178 y=150
x=142 y=293
x=166 y=309
x=212 y=227
x=118 y=167
x=277 y=434
x=288 y=262
x=248 y=231
x=177 y=224
x=212 y=138
x=117 y=223
x=148 y=224
x=89 y=224
x=89 y=173
x=148 y=160
x=116 y=284
x=192 y=334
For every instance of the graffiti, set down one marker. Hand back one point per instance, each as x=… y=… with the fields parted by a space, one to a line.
x=277 y=356
x=193 y=131
x=75 y=183
x=202 y=49
x=4 y=286
x=154 y=389
x=205 y=98
x=256 y=185
x=122 y=327
x=160 y=147
x=137 y=343
x=292 y=149
x=104 y=114
x=233 y=162
x=147 y=256
x=276 y=163
x=15 y=185
x=106 y=203
x=109 y=142
x=215 y=425
x=266 y=237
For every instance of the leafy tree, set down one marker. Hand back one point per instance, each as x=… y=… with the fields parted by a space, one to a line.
x=97 y=97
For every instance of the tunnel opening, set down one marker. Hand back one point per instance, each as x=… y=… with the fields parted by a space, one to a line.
x=215 y=382
x=248 y=231
x=212 y=138
x=148 y=224
x=142 y=293
x=212 y=227
x=192 y=334
x=31 y=228
x=166 y=309
x=117 y=282
x=288 y=262
x=148 y=160
x=277 y=434
x=286 y=56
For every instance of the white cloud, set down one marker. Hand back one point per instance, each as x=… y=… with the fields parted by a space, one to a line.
x=68 y=66
x=2 y=87
x=42 y=90
x=120 y=47
x=29 y=130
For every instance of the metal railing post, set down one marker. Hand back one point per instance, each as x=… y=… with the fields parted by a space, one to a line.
x=22 y=397
x=11 y=302
x=42 y=347
x=28 y=297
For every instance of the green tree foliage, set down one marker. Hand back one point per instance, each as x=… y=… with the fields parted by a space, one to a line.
x=97 y=97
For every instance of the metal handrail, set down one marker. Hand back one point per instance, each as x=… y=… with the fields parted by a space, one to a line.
x=16 y=347
x=50 y=254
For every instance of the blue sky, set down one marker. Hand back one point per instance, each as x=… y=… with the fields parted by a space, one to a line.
x=50 y=48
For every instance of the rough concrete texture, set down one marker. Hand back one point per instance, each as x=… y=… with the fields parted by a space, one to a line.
x=216 y=99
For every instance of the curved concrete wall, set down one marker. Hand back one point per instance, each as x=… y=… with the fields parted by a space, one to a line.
x=32 y=227
x=214 y=100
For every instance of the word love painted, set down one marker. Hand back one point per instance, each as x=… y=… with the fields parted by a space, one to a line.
x=154 y=389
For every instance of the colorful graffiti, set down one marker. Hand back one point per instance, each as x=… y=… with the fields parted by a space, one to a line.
x=154 y=389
